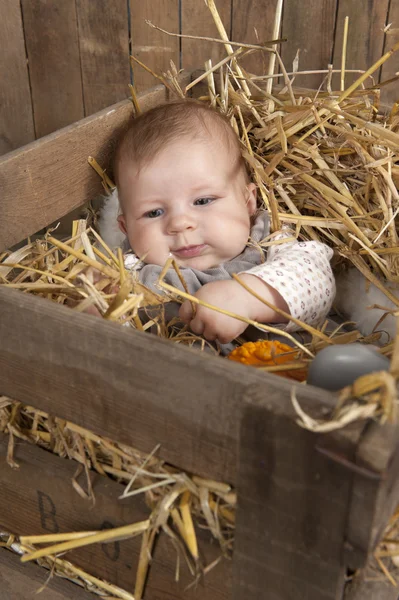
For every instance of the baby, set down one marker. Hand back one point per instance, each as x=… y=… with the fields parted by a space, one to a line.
x=184 y=192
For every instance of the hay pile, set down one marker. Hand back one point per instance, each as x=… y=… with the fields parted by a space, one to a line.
x=325 y=162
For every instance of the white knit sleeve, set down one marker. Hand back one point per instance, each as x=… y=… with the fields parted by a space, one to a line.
x=301 y=273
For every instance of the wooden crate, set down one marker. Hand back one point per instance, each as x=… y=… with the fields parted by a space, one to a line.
x=309 y=506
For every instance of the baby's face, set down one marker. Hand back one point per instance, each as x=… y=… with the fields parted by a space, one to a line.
x=189 y=202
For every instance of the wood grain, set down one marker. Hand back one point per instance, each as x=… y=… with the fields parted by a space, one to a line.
x=151 y=47
x=371 y=584
x=138 y=389
x=44 y=501
x=292 y=508
x=104 y=52
x=309 y=27
x=374 y=499
x=365 y=36
x=197 y=20
x=22 y=582
x=46 y=179
x=390 y=94
x=16 y=118
x=51 y=38
x=253 y=22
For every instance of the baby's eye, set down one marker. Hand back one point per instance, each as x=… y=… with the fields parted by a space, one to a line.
x=203 y=201
x=153 y=214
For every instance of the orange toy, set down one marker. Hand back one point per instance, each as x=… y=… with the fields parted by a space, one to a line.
x=267 y=353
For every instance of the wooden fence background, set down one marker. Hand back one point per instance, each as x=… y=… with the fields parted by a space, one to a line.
x=62 y=60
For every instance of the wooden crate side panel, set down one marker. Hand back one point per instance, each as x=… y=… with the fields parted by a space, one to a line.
x=292 y=509
x=44 y=501
x=51 y=177
x=374 y=498
x=22 y=582
x=151 y=47
x=104 y=52
x=370 y=584
x=51 y=37
x=365 y=37
x=16 y=123
x=196 y=19
x=390 y=94
x=253 y=23
x=132 y=386
x=309 y=28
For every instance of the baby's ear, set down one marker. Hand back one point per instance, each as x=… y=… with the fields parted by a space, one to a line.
x=122 y=224
x=251 y=198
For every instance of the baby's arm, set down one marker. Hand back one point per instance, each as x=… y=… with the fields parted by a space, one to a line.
x=301 y=273
x=296 y=278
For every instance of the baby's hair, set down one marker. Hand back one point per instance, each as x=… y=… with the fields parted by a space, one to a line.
x=154 y=129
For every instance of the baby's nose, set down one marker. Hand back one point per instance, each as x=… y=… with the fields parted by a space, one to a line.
x=180 y=222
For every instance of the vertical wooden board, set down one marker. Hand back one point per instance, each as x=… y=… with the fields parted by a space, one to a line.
x=16 y=118
x=196 y=19
x=292 y=508
x=371 y=584
x=253 y=22
x=390 y=93
x=365 y=36
x=104 y=52
x=51 y=36
x=153 y=48
x=309 y=27
x=22 y=582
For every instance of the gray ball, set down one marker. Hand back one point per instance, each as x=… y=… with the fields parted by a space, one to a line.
x=340 y=365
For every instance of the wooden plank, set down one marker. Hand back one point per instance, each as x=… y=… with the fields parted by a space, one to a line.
x=51 y=177
x=51 y=37
x=196 y=19
x=292 y=507
x=151 y=47
x=16 y=122
x=104 y=52
x=309 y=27
x=370 y=584
x=22 y=582
x=253 y=23
x=44 y=501
x=374 y=499
x=390 y=94
x=138 y=389
x=365 y=36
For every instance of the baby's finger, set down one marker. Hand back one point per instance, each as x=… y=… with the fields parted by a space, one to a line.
x=186 y=312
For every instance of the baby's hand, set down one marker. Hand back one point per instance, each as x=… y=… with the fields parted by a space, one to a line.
x=213 y=325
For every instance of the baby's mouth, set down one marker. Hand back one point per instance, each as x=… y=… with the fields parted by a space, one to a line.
x=189 y=251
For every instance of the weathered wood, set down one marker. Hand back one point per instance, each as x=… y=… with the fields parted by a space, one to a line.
x=22 y=582
x=365 y=36
x=104 y=52
x=374 y=498
x=390 y=94
x=44 y=501
x=196 y=19
x=151 y=47
x=292 y=507
x=370 y=584
x=137 y=388
x=51 y=38
x=16 y=124
x=51 y=177
x=253 y=23
x=309 y=27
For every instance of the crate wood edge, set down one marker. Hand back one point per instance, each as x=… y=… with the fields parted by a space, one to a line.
x=48 y=178
x=44 y=501
x=133 y=387
x=22 y=582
